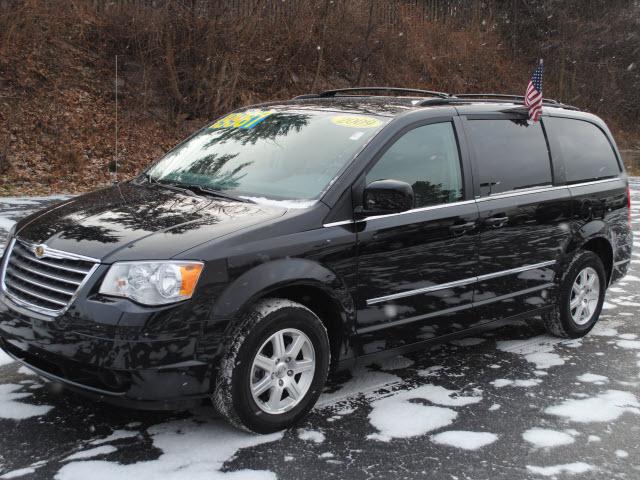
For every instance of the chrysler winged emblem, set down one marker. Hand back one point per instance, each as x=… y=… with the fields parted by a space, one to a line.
x=39 y=250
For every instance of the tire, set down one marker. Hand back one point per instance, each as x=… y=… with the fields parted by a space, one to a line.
x=560 y=321
x=257 y=333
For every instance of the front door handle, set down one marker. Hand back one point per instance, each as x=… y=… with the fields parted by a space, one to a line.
x=497 y=222
x=460 y=228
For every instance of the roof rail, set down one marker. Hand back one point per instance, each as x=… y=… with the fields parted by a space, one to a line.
x=332 y=93
x=500 y=96
x=464 y=98
x=441 y=98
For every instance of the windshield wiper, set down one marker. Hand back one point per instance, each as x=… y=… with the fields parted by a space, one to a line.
x=171 y=186
x=218 y=193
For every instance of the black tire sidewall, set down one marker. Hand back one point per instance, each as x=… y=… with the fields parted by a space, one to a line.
x=582 y=260
x=244 y=404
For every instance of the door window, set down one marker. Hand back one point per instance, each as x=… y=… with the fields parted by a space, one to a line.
x=585 y=150
x=427 y=159
x=510 y=155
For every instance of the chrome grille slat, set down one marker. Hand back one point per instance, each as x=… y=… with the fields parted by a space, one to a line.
x=45 y=285
x=34 y=270
x=26 y=278
x=24 y=252
x=33 y=293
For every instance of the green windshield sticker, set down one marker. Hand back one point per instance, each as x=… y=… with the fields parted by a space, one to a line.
x=244 y=120
x=356 y=121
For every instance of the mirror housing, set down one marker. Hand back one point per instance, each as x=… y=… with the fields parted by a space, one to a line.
x=387 y=196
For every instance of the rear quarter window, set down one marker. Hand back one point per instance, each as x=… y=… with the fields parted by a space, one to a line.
x=509 y=155
x=584 y=149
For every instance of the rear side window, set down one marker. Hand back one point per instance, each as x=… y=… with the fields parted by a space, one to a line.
x=583 y=147
x=427 y=159
x=510 y=154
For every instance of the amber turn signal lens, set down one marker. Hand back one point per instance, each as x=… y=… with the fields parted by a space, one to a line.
x=190 y=275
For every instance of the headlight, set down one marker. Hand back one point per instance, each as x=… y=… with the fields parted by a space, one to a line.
x=152 y=283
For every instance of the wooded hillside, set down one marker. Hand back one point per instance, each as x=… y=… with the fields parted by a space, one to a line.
x=184 y=62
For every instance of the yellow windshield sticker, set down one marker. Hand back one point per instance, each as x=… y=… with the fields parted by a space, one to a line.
x=356 y=121
x=248 y=119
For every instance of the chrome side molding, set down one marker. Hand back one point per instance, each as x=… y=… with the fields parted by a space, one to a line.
x=459 y=283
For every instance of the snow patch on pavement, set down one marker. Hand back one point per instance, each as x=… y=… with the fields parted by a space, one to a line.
x=311 y=435
x=194 y=448
x=116 y=435
x=592 y=378
x=93 y=452
x=14 y=410
x=547 y=438
x=19 y=473
x=605 y=407
x=554 y=470
x=363 y=381
x=537 y=350
x=526 y=383
x=464 y=440
x=5 y=359
x=448 y=398
x=629 y=344
x=404 y=415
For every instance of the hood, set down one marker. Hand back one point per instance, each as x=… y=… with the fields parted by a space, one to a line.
x=141 y=222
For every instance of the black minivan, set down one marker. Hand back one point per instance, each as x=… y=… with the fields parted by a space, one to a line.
x=290 y=238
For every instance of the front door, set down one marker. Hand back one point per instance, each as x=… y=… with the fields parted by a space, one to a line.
x=416 y=269
x=524 y=219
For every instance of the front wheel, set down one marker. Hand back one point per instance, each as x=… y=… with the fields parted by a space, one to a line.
x=274 y=367
x=582 y=291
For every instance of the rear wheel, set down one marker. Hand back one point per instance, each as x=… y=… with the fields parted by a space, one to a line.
x=274 y=368
x=582 y=291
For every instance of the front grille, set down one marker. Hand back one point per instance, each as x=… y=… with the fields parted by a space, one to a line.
x=48 y=283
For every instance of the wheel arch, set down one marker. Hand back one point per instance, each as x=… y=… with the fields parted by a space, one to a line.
x=595 y=237
x=309 y=283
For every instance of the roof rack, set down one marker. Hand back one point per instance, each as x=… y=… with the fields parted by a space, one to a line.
x=497 y=96
x=491 y=98
x=441 y=98
x=332 y=93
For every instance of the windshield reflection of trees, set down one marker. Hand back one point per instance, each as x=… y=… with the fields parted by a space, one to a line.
x=212 y=170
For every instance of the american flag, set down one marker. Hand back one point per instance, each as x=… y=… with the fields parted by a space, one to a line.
x=533 y=96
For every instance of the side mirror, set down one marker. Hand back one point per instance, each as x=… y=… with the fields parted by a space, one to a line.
x=387 y=196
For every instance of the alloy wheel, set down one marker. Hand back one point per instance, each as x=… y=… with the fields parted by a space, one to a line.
x=282 y=371
x=585 y=294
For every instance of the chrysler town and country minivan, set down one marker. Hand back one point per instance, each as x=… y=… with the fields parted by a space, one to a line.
x=289 y=238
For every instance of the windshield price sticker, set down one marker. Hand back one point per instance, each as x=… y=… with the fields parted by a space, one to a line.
x=356 y=121
x=244 y=120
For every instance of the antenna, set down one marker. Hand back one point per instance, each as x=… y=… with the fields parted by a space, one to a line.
x=115 y=160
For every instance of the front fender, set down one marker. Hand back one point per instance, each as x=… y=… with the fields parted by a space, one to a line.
x=270 y=276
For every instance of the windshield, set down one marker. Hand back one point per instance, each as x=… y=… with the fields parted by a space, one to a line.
x=269 y=154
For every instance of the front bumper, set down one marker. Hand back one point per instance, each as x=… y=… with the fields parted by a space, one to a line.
x=113 y=351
